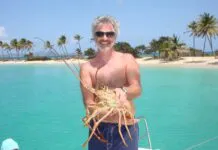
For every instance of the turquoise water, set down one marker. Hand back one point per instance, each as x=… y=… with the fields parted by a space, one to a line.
x=41 y=107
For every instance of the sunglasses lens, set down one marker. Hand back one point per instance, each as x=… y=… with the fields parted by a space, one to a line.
x=99 y=34
x=108 y=34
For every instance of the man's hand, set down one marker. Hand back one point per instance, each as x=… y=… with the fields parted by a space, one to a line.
x=121 y=96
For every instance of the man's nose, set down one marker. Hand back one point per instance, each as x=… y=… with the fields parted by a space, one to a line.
x=105 y=37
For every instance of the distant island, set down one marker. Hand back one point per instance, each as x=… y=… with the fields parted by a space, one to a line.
x=165 y=50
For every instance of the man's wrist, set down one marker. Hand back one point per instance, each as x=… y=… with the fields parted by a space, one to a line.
x=124 y=90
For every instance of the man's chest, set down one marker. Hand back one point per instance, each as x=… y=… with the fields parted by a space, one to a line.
x=112 y=75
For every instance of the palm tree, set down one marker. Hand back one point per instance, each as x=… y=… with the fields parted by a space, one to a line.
x=14 y=45
x=155 y=46
x=90 y=52
x=207 y=29
x=92 y=40
x=176 y=44
x=160 y=45
x=78 y=38
x=125 y=47
x=78 y=52
x=22 y=44
x=193 y=29
x=47 y=45
x=166 y=49
x=29 y=45
x=62 y=44
x=139 y=50
x=1 y=48
x=8 y=48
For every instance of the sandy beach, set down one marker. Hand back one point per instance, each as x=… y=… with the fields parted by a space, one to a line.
x=203 y=62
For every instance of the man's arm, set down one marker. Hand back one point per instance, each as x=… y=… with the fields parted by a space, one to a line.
x=88 y=97
x=133 y=78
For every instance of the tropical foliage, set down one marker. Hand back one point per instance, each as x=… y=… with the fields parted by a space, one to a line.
x=23 y=46
x=205 y=27
x=90 y=53
x=165 y=47
x=193 y=32
x=78 y=38
x=62 y=45
x=125 y=47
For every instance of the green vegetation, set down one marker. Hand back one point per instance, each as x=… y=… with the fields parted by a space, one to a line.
x=62 y=45
x=165 y=47
x=22 y=46
x=90 y=53
x=30 y=57
x=205 y=27
x=78 y=38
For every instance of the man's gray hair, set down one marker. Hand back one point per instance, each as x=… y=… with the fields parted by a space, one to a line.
x=105 y=19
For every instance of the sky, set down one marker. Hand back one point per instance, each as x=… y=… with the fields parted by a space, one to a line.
x=140 y=20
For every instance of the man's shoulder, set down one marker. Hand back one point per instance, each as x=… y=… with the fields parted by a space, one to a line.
x=88 y=65
x=85 y=66
x=128 y=57
x=125 y=55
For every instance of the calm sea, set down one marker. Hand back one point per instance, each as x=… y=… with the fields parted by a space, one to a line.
x=41 y=107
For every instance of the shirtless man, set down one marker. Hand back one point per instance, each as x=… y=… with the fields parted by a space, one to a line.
x=119 y=72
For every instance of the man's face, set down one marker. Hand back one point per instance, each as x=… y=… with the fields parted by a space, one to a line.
x=105 y=37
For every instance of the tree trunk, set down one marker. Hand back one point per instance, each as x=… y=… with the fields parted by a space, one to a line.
x=211 y=45
x=204 y=45
x=194 y=45
x=67 y=54
x=63 y=53
x=2 y=55
x=8 y=55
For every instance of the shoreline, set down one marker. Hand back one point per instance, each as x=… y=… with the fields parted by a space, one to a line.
x=195 y=62
x=183 y=62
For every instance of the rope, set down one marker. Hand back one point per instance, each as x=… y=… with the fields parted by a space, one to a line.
x=202 y=143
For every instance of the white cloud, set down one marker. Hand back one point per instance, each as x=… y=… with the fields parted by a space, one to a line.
x=2 y=31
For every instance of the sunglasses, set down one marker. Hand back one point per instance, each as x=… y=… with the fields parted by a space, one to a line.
x=108 y=34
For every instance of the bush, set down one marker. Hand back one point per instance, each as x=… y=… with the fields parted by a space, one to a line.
x=43 y=58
